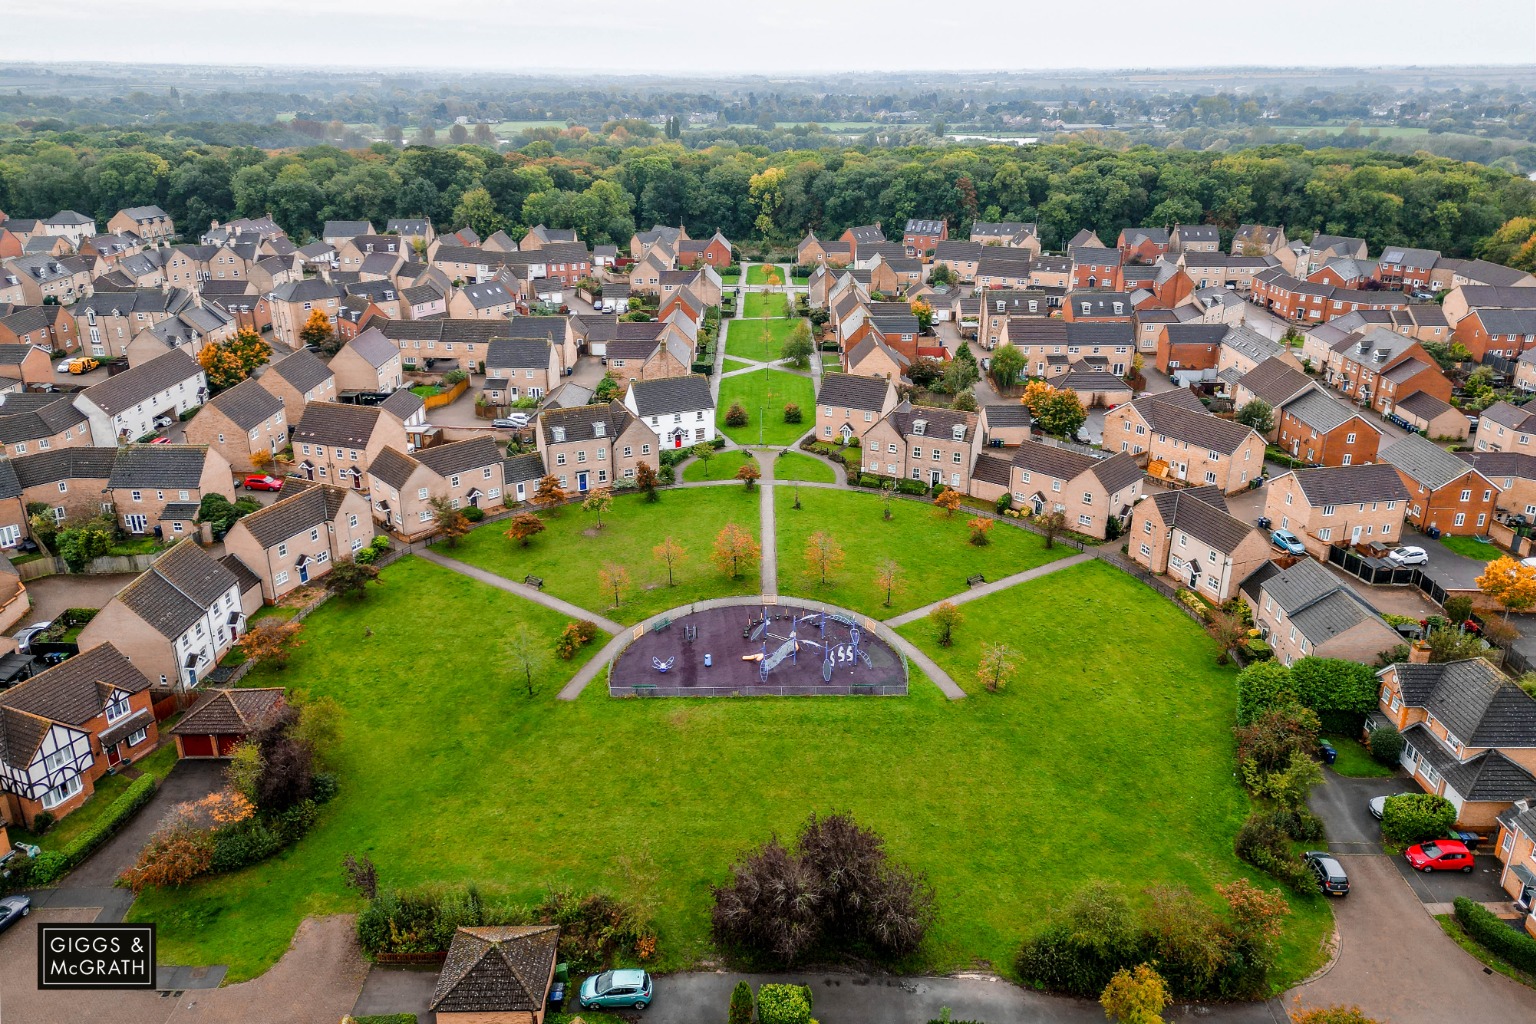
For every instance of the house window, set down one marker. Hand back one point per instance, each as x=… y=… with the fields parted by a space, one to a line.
x=282 y=550
x=138 y=737
x=1084 y=520
x=1466 y=495
x=117 y=708
x=560 y=458
x=62 y=792
x=1461 y=519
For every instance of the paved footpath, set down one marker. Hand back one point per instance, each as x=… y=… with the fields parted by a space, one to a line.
x=991 y=588
x=767 y=521
x=521 y=590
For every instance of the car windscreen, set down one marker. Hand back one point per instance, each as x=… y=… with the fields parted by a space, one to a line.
x=604 y=983
x=1430 y=850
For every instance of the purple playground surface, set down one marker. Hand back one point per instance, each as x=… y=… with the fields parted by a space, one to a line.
x=719 y=652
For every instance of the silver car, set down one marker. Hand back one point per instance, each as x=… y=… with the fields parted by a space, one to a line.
x=26 y=636
x=1409 y=555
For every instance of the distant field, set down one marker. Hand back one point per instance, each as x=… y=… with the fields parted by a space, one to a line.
x=836 y=126
x=1382 y=131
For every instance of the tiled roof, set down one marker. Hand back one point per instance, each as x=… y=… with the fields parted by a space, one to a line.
x=336 y=425
x=247 y=404
x=1202 y=520
x=288 y=516
x=1320 y=411
x=403 y=404
x=1490 y=777
x=1496 y=465
x=230 y=712
x=137 y=383
x=1197 y=428
x=1275 y=380
x=1009 y=414
x=76 y=690
x=461 y=456
x=1425 y=405
x=518 y=353
x=579 y=423
x=1424 y=461
x=851 y=391
x=249 y=581
x=177 y=589
x=1350 y=485
x=518 y=469
x=1471 y=698
x=1318 y=604
x=497 y=970
x=374 y=347
x=81 y=463
x=666 y=395
x=937 y=423
x=392 y=467
x=20 y=736
x=167 y=466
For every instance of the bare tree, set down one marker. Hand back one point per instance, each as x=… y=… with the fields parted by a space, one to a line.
x=526 y=655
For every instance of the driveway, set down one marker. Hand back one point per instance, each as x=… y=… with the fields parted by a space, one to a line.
x=52 y=594
x=1343 y=804
x=1446 y=567
x=188 y=780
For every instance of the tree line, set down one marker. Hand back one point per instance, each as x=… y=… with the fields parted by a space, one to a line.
x=604 y=185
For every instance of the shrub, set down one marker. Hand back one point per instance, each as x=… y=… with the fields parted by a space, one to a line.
x=1004 y=503
x=782 y=1004
x=575 y=634
x=1332 y=1015
x=1087 y=941
x=741 y=1004
x=911 y=487
x=379 y=544
x=1386 y=745
x=865 y=480
x=42 y=822
x=324 y=787
x=49 y=867
x=792 y=413
x=474 y=513
x=1515 y=947
x=236 y=846
x=736 y=416
x=1414 y=817
x=366 y=556
x=1263 y=842
x=1261 y=687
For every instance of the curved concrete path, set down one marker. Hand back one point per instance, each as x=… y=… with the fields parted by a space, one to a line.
x=521 y=590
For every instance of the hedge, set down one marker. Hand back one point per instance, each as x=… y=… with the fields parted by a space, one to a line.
x=1494 y=935
x=52 y=865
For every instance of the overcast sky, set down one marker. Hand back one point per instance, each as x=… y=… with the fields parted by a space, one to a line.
x=777 y=35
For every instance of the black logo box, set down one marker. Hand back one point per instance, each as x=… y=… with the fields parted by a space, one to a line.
x=95 y=956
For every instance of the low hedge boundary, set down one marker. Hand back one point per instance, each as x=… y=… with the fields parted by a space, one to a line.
x=1516 y=948
x=52 y=865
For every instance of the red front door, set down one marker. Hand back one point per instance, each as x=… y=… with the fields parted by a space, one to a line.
x=677 y=440
x=112 y=755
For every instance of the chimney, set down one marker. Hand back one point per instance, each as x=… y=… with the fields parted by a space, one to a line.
x=1418 y=652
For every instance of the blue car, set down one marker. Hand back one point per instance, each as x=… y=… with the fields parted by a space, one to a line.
x=616 y=990
x=1287 y=541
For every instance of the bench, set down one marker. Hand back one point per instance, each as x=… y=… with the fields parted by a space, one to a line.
x=971 y=581
x=660 y=625
x=536 y=582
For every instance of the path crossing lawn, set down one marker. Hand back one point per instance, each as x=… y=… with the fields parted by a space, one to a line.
x=766 y=392
x=760 y=304
x=571 y=551
x=736 y=364
x=721 y=466
x=795 y=466
x=1110 y=757
x=765 y=273
x=935 y=553
x=760 y=340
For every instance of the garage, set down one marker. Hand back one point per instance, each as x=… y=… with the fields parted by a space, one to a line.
x=222 y=719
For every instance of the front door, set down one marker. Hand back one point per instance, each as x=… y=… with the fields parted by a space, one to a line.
x=677 y=439
x=137 y=523
x=112 y=755
x=581 y=481
x=1354 y=535
x=304 y=572
x=935 y=476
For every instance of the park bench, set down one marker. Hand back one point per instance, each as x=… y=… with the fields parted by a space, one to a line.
x=536 y=582
x=971 y=581
x=660 y=625
x=644 y=689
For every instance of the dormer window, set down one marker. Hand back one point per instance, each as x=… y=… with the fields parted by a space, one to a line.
x=557 y=433
x=919 y=427
x=959 y=432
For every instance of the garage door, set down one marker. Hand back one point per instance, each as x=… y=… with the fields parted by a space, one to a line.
x=227 y=745
x=197 y=746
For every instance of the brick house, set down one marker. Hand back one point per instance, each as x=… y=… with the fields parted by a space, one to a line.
x=334 y=443
x=290 y=305
x=1339 y=505
x=1405 y=269
x=1470 y=732
x=1513 y=473
x=1096 y=268
x=175 y=620
x=1306 y=611
x=1515 y=847
x=222 y=719
x=150 y=223
x=1189 y=352
x=1508 y=333
x=1194 y=238
x=71 y=482
x=401 y=487
x=874 y=358
x=812 y=252
x=1142 y=245
x=1275 y=381
x=297 y=380
x=921 y=235
x=296 y=539
x=1322 y=430
x=714 y=251
x=849 y=405
x=241 y=422
x=1435 y=418
x=1443 y=491
x=369 y=362
x=865 y=235
x=1188 y=536
x=1089 y=492
x=935 y=446
x=592 y=446
x=1257 y=240
x=527 y=367
x=37 y=422
x=64 y=728
x=1380 y=368
x=158 y=487
x=1181 y=441
x=50 y=328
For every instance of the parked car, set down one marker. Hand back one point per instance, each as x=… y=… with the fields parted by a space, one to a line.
x=82 y=365
x=1378 y=806
x=13 y=909
x=1288 y=542
x=516 y=421
x=626 y=988
x=25 y=637
x=162 y=421
x=262 y=482
x=1331 y=878
x=161 y=440
x=1409 y=555
x=64 y=366
x=1440 y=855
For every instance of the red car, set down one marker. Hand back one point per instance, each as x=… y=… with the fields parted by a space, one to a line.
x=161 y=440
x=1440 y=855
x=263 y=483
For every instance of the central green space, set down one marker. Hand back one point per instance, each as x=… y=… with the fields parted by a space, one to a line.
x=759 y=340
x=1100 y=760
x=795 y=466
x=721 y=466
x=763 y=304
x=763 y=395
x=934 y=552
x=571 y=552
x=765 y=273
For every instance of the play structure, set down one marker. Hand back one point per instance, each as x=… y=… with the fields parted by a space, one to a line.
x=756 y=650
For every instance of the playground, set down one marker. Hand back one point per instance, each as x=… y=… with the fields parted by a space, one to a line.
x=785 y=649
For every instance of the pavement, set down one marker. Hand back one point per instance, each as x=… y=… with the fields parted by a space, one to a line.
x=1446 y=567
x=984 y=589
x=398 y=990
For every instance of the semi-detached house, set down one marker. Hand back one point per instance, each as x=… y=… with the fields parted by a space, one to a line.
x=298 y=538
x=1183 y=442
x=401 y=487
x=1188 y=536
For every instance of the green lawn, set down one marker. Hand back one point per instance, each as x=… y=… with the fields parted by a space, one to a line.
x=763 y=304
x=1471 y=547
x=730 y=278
x=722 y=466
x=797 y=466
x=765 y=273
x=571 y=551
x=1355 y=761
x=802 y=280
x=767 y=392
x=759 y=340
x=934 y=552
x=735 y=364
x=1119 y=764
x=108 y=789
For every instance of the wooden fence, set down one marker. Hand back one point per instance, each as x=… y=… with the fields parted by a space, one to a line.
x=448 y=397
x=52 y=565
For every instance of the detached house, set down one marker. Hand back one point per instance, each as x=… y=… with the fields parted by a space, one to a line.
x=1339 y=505
x=1324 y=431
x=1088 y=491
x=1443 y=492
x=296 y=539
x=1470 y=732
x=1188 y=536
x=1194 y=238
x=401 y=487
x=336 y=444
x=297 y=380
x=65 y=728
x=1307 y=611
x=849 y=405
x=592 y=446
x=126 y=407
x=921 y=236
x=176 y=620
x=150 y=223
x=935 y=446
x=520 y=368
x=369 y=362
x=240 y=423
x=1183 y=442
x=679 y=410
